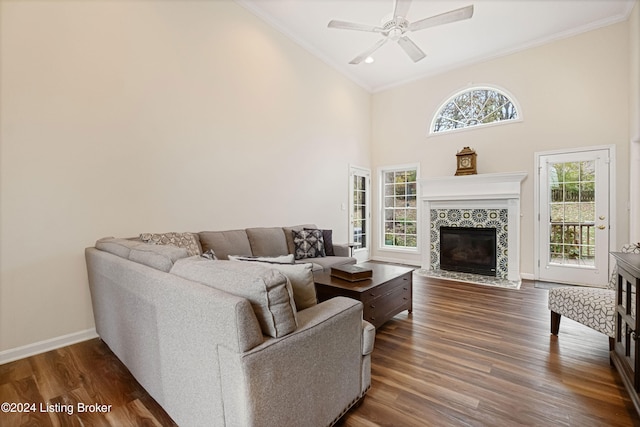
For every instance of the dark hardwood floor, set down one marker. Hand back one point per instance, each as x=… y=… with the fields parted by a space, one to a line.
x=469 y=355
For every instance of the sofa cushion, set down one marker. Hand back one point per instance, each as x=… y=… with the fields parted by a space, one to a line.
x=302 y=284
x=308 y=244
x=119 y=247
x=267 y=241
x=189 y=241
x=288 y=234
x=325 y=263
x=225 y=243
x=268 y=290
x=160 y=257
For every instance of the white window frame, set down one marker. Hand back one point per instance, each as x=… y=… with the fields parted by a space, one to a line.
x=361 y=254
x=451 y=97
x=381 y=208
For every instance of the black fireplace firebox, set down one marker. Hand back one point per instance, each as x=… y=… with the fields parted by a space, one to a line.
x=468 y=250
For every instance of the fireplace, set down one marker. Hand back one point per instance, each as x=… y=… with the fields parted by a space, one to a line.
x=476 y=201
x=468 y=250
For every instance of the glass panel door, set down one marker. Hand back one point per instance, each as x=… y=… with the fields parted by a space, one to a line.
x=572 y=234
x=574 y=217
x=360 y=212
x=359 y=220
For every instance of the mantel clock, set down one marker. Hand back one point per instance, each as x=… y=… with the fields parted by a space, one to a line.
x=466 y=162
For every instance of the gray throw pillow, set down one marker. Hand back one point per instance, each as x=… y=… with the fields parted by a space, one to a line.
x=301 y=278
x=268 y=290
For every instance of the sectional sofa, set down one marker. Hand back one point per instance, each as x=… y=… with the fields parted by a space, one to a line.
x=220 y=342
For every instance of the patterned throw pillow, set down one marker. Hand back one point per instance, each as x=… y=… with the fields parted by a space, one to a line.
x=308 y=244
x=327 y=235
x=210 y=254
x=187 y=241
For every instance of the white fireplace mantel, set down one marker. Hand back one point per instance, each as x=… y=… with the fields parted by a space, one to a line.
x=473 y=187
x=484 y=191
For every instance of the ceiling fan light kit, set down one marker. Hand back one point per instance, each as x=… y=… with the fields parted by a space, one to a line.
x=394 y=29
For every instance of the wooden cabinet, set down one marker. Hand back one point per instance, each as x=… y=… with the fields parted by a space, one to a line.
x=626 y=353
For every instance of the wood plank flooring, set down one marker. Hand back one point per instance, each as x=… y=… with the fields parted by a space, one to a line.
x=468 y=355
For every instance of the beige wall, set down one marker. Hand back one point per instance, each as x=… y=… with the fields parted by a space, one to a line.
x=122 y=117
x=634 y=125
x=125 y=117
x=573 y=93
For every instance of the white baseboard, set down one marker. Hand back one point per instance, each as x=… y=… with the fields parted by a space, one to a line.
x=396 y=261
x=527 y=276
x=17 y=353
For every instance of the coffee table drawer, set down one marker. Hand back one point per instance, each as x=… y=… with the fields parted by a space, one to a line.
x=403 y=281
x=379 y=310
x=387 y=293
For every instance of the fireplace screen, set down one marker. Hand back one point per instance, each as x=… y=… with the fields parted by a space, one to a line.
x=468 y=250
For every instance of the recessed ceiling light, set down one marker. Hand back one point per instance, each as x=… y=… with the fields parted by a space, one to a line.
x=369 y=60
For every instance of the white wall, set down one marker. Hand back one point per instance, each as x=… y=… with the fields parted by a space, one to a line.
x=573 y=93
x=126 y=117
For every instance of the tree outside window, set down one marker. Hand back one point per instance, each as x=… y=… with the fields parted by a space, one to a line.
x=400 y=208
x=474 y=107
x=573 y=212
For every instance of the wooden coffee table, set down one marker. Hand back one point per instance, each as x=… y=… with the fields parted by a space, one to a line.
x=387 y=293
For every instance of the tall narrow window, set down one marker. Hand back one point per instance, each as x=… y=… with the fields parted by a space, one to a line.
x=400 y=208
x=474 y=107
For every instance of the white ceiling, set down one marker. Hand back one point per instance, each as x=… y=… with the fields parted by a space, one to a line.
x=498 y=27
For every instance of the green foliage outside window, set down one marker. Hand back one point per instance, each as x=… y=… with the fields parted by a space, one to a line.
x=400 y=208
x=572 y=211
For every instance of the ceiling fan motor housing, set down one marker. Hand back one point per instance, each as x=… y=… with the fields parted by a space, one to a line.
x=395 y=28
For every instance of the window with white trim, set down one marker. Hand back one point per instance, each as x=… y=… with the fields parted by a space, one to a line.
x=400 y=208
x=474 y=107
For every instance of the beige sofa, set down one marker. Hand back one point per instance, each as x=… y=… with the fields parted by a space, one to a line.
x=270 y=242
x=227 y=343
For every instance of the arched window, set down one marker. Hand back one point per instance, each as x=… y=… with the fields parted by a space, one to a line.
x=474 y=107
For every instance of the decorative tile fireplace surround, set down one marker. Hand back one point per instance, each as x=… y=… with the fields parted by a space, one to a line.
x=485 y=200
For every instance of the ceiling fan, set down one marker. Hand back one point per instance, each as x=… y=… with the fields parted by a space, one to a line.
x=395 y=28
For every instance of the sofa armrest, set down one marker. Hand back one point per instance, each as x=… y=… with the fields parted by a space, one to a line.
x=319 y=362
x=368 y=337
x=167 y=331
x=341 y=249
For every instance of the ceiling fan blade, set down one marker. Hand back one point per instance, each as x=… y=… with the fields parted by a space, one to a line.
x=412 y=49
x=358 y=59
x=443 y=18
x=343 y=25
x=401 y=8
